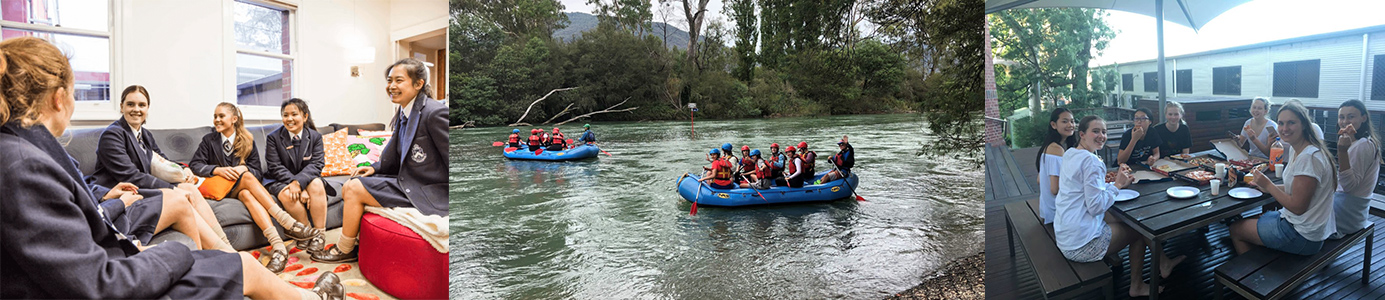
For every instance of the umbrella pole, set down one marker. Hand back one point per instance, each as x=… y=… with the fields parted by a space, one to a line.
x=1163 y=73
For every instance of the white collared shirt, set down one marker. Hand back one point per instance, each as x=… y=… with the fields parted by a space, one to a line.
x=231 y=139
x=296 y=135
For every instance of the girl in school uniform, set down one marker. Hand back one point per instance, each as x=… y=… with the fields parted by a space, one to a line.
x=412 y=171
x=230 y=152
x=1306 y=219
x=295 y=158
x=1060 y=137
x=58 y=244
x=123 y=159
x=1358 y=167
x=1085 y=232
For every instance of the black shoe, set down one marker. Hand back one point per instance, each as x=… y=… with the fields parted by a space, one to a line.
x=334 y=255
x=300 y=232
x=313 y=245
x=277 y=261
x=329 y=287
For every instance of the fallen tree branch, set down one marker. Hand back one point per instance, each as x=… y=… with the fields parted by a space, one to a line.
x=555 y=116
x=607 y=110
x=464 y=125
x=531 y=106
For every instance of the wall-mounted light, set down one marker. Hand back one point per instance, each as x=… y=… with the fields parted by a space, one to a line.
x=360 y=56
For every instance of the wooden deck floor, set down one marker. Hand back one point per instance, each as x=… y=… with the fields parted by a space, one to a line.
x=1012 y=278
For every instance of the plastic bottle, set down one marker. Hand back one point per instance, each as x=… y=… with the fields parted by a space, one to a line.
x=1277 y=153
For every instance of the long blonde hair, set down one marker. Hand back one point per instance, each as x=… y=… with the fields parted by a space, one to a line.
x=244 y=141
x=1296 y=107
x=31 y=69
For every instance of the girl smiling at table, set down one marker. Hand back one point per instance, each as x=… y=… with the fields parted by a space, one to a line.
x=1306 y=219
x=1085 y=232
x=1358 y=154
x=1259 y=131
x=1059 y=138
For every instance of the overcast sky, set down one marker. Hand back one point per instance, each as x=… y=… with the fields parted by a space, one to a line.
x=674 y=9
x=1253 y=22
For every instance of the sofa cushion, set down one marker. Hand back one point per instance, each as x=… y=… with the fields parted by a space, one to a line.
x=81 y=144
x=179 y=144
x=337 y=161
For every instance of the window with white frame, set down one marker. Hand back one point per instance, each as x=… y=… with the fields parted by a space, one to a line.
x=80 y=28
x=264 y=53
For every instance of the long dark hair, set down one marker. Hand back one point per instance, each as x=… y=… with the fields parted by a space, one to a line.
x=416 y=70
x=1301 y=113
x=1367 y=131
x=303 y=107
x=1052 y=136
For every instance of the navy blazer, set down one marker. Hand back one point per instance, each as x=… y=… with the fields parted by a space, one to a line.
x=57 y=244
x=209 y=156
x=288 y=162
x=119 y=158
x=421 y=170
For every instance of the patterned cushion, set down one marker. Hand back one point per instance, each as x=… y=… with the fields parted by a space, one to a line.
x=365 y=149
x=338 y=160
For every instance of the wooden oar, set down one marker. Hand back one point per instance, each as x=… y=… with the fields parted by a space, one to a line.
x=848 y=183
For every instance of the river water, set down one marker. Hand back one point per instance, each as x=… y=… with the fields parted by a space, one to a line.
x=615 y=228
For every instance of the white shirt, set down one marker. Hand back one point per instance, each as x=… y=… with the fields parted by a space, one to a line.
x=1351 y=203
x=1264 y=136
x=296 y=135
x=1083 y=197
x=1049 y=165
x=1317 y=223
x=229 y=139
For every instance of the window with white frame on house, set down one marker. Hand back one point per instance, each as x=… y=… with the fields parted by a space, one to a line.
x=80 y=28
x=1378 y=78
x=1226 y=80
x=1151 y=81
x=264 y=54
x=1183 y=81
x=1128 y=82
x=1296 y=78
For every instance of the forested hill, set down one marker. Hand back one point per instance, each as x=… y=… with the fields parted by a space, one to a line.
x=582 y=22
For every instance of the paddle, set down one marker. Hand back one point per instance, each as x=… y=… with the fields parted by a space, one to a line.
x=757 y=192
x=598 y=148
x=848 y=184
x=497 y=144
x=695 y=198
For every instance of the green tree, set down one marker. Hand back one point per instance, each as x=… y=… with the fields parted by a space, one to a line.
x=743 y=13
x=1051 y=48
x=881 y=68
x=630 y=15
x=517 y=18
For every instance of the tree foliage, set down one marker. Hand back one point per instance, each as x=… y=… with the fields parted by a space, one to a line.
x=1050 y=49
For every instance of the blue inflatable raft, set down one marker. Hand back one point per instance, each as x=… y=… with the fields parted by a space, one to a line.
x=690 y=189
x=580 y=152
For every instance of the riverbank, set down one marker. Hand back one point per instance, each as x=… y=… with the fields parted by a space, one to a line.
x=960 y=279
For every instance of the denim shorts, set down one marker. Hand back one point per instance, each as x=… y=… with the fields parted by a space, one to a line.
x=1278 y=234
x=1094 y=250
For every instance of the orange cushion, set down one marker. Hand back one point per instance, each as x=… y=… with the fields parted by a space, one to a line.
x=215 y=187
x=338 y=160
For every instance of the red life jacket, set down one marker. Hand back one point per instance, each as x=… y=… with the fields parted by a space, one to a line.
x=514 y=138
x=763 y=170
x=789 y=166
x=809 y=162
x=721 y=172
x=534 y=140
x=747 y=163
x=773 y=158
x=557 y=139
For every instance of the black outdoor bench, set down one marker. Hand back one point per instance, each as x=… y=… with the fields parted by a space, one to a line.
x=1263 y=273
x=1058 y=277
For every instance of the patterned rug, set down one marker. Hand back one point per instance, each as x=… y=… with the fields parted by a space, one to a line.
x=303 y=272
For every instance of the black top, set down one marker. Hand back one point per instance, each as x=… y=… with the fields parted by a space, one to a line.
x=288 y=161
x=1173 y=142
x=1143 y=149
x=420 y=163
x=122 y=158
x=209 y=156
x=57 y=244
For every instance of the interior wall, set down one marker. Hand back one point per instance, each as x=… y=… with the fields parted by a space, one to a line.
x=183 y=53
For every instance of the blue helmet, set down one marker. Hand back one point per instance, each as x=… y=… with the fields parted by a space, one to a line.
x=755 y=152
x=515 y=131
x=726 y=147
x=714 y=151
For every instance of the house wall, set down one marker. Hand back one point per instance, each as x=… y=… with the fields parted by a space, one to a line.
x=183 y=52
x=1340 y=76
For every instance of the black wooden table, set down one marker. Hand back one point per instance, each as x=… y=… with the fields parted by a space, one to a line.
x=1158 y=217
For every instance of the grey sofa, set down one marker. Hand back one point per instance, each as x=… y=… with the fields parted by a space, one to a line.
x=180 y=144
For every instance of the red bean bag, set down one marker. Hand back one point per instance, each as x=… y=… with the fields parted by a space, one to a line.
x=399 y=261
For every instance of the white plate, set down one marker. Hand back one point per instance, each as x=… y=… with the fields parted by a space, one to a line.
x=1126 y=195
x=1244 y=193
x=1182 y=192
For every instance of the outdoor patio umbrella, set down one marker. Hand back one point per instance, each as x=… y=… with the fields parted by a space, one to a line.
x=1191 y=13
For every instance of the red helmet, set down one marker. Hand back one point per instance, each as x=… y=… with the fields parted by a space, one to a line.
x=790 y=149
x=774 y=145
x=745 y=148
x=555 y=129
x=533 y=131
x=802 y=145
